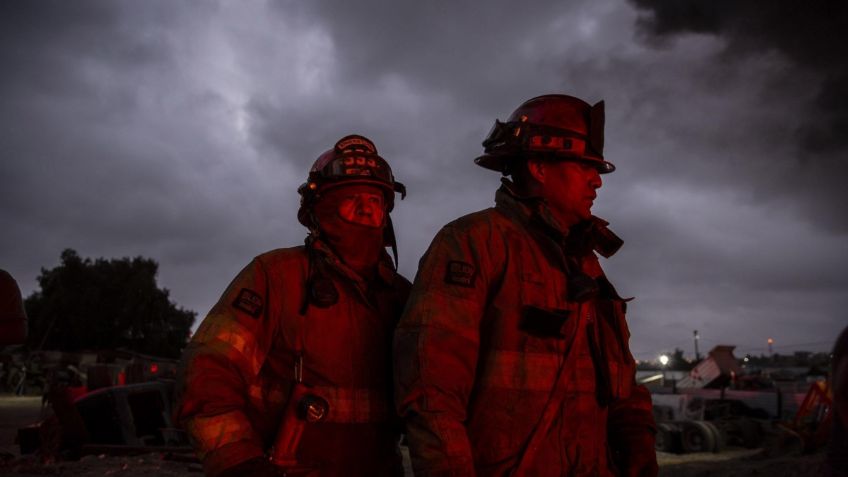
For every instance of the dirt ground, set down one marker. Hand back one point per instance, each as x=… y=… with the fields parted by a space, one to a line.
x=16 y=412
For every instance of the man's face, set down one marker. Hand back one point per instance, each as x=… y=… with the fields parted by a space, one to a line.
x=570 y=190
x=361 y=204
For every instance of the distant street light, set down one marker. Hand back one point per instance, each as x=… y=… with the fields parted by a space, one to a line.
x=697 y=354
x=663 y=362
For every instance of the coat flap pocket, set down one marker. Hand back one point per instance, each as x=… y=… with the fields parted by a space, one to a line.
x=542 y=323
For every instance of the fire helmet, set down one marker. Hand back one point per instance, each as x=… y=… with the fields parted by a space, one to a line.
x=554 y=126
x=353 y=160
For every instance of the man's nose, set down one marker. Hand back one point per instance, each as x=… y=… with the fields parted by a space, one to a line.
x=363 y=206
x=595 y=180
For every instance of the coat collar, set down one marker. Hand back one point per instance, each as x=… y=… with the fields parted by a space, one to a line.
x=534 y=213
x=385 y=271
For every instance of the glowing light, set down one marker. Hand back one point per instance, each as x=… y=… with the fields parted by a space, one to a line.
x=664 y=360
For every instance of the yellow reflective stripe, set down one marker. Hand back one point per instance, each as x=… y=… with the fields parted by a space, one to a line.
x=270 y=395
x=227 y=330
x=346 y=405
x=354 y=405
x=520 y=370
x=213 y=432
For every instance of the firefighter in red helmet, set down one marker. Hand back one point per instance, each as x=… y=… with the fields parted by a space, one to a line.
x=290 y=373
x=512 y=354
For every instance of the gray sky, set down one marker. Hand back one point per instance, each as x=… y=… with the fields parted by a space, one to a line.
x=180 y=131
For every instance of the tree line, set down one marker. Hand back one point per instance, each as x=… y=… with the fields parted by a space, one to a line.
x=86 y=305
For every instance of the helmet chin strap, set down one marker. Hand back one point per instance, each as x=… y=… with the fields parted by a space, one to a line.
x=390 y=240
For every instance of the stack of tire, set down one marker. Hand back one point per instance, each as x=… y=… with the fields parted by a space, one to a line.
x=688 y=436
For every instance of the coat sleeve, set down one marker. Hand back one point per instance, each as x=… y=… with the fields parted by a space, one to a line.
x=436 y=348
x=631 y=427
x=217 y=367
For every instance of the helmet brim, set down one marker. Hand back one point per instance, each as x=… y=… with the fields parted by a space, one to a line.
x=498 y=162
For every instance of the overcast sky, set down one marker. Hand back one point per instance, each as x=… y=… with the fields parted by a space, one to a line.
x=180 y=131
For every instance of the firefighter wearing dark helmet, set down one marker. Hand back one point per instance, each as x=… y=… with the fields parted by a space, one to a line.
x=290 y=373
x=512 y=354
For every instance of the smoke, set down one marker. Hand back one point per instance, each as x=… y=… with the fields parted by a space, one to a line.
x=807 y=96
x=812 y=35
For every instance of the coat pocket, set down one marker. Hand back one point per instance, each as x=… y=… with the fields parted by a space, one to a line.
x=543 y=323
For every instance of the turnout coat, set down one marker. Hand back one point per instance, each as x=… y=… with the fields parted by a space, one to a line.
x=504 y=301
x=239 y=368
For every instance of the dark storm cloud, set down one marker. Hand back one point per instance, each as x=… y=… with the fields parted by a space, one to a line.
x=108 y=142
x=810 y=93
x=182 y=131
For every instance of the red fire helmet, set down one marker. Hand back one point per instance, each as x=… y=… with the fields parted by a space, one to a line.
x=353 y=160
x=557 y=126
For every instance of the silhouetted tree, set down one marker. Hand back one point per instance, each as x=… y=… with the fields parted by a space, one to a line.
x=678 y=362
x=105 y=304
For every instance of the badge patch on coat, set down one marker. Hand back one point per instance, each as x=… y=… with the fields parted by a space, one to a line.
x=249 y=302
x=460 y=273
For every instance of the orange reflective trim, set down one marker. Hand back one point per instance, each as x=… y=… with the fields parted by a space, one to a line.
x=520 y=370
x=227 y=330
x=271 y=395
x=214 y=432
x=354 y=405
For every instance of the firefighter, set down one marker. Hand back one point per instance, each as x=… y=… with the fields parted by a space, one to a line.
x=290 y=372
x=512 y=355
x=836 y=462
x=13 y=318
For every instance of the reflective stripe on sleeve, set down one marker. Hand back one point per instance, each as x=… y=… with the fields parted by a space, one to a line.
x=213 y=432
x=270 y=395
x=238 y=339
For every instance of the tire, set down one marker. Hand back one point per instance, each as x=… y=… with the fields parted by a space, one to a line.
x=667 y=438
x=718 y=437
x=696 y=436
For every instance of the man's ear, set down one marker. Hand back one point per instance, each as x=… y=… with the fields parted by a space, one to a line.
x=537 y=170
